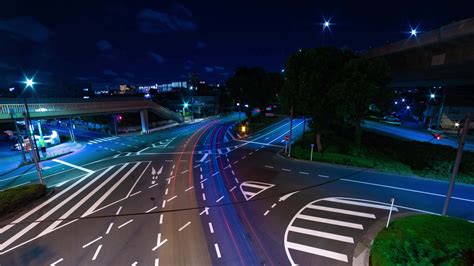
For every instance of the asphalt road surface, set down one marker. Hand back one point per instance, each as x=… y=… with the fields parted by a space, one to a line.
x=199 y=195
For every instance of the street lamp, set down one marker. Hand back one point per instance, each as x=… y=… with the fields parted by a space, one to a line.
x=432 y=95
x=326 y=24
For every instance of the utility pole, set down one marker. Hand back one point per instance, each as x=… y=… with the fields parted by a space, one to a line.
x=291 y=131
x=467 y=121
x=33 y=147
x=438 y=125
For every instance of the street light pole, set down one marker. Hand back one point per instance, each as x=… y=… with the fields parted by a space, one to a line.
x=34 y=148
x=467 y=121
x=291 y=131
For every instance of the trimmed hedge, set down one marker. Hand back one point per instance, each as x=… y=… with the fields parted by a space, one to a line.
x=425 y=240
x=15 y=198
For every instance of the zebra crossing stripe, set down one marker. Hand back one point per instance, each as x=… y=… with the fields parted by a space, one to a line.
x=363 y=204
x=321 y=234
x=317 y=251
x=329 y=221
x=342 y=211
x=254 y=184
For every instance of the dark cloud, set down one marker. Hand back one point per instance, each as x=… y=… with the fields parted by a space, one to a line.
x=5 y=66
x=157 y=57
x=209 y=69
x=218 y=68
x=201 y=45
x=104 y=45
x=129 y=75
x=26 y=28
x=177 y=18
x=109 y=72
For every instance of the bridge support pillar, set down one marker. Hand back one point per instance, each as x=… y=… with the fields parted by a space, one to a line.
x=144 y=121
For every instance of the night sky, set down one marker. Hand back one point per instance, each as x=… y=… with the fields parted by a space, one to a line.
x=143 y=42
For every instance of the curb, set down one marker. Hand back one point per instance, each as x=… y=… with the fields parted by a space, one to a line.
x=361 y=255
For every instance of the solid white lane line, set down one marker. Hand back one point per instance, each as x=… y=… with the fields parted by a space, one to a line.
x=218 y=252
x=232 y=189
x=329 y=221
x=268 y=166
x=325 y=176
x=150 y=210
x=56 y=262
x=216 y=173
x=286 y=170
x=109 y=228
x=317 y=251
x=172 y=198
x=184 y=226
x=136 y=193
x=321 y=234
x=363 y=204
x=97 y=252
x=124 y=224
x=92 y=242
x=203 y=196
x=336 y=210
x=161 y=218
x=211 y=228
x=118 y=211
x=153 y=185
x=74 y=166
x=189 y=188
x=304 y=173
x=219 y=199
x=265 y=214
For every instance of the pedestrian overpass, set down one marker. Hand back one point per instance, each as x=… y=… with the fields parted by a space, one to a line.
x=11 y=109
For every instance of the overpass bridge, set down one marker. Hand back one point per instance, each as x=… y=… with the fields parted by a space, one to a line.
x=11 y=109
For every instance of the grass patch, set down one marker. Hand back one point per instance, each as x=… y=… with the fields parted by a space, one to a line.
x=16 y=198
x=388 y=155
x=425 y=240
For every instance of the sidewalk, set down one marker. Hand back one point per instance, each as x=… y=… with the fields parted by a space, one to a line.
x=11 y=160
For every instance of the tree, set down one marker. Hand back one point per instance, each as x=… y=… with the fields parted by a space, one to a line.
x=254 y=86
x=360 y=83
x=309 y=75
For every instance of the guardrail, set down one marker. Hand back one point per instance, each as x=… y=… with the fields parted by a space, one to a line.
x=65 y=109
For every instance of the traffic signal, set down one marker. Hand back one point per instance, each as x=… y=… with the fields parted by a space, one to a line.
x=118 y=118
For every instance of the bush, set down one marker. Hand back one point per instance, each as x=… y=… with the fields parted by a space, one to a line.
x=15 y=198
x=425 y=240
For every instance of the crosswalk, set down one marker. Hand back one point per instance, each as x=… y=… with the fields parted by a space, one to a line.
x=326 y=230
x=99 y=140
x=89 y=194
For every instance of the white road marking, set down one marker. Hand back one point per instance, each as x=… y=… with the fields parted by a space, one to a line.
x=206 y=211
x=321 y=234
x=56 y=262
x=118 y=211
x=285 y=197
x=185 y=171
x=325 y=176
x=198 y=165
x=109 y=228
x=243 y=157
x=273 y=205
x=134 y=263
x=184 y=226
x=97 y=252
x=363 y=204
x=150 y=210
x=204 y=180
x=227 y=166
x=235 y=162
x=304 y=173
x=329 y=221
x=157 y=262
x=189 y=188
x=286 y=170
x=317 y=251
x=216 y=173
x=92 y=242
x=201 y=177
x=136 y=193
x=219 y=199
x=218 y=252
x=268 y=166
x=342 y=211
x=203 y=196
x=233 y=173
x=159 y=243
x=202 y=185
x=232 y=189
x=74 y=166
x=172 y=198
x=211 y=228
x=163 y=205
x=204 y=157
x=265 y=214
x=236 y=180
x=161 y=218
x=166 y=191
x=124 y=224
x=153 y=185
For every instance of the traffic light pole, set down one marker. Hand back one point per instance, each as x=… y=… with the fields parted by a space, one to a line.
x=456 y=163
